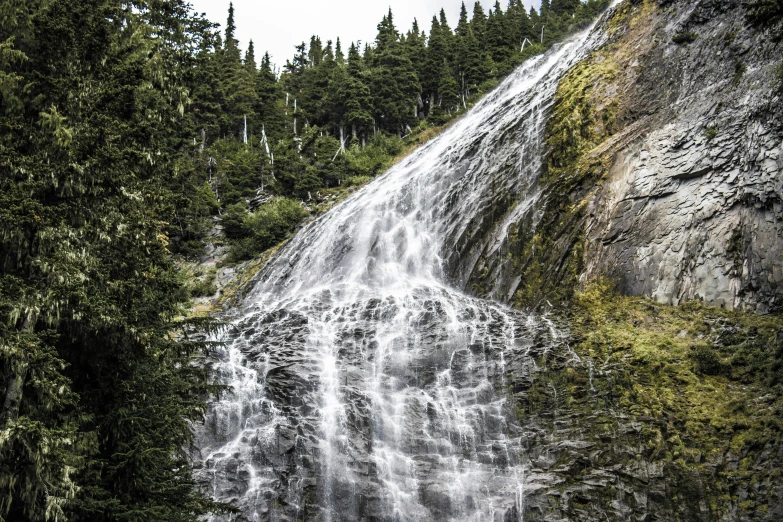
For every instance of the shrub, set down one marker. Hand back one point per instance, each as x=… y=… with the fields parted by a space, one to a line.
x=684 y=37
x=739 y=71
x=233 y=221
x=765 y=12
x=266 y=227
x=204 y=287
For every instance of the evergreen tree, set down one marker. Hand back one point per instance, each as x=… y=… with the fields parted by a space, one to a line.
x=250 y=58
x=564 y=7
x=393 y=80
x=463 y=26
x=299 y=62
x=448 y=89
x=478 y=24
x=338 y=52
x=316 y=53
x=436 y=56
x=387 y=33
x=98 y=397
x=496 y=35
x=447 y=35
x=270 y=109
x=355 y=61
x=230 y=43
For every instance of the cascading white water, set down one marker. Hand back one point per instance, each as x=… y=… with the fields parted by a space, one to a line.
x=366 y=384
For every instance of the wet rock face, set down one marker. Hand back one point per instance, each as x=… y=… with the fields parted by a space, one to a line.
x=405 y=417
x=692 y=205
x=693 y=209
x=365 y=387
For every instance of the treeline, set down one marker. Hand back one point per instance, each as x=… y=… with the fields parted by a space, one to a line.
x=338 y=115
x=125 y=129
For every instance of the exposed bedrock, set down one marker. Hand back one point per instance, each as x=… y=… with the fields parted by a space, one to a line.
x=677 y=191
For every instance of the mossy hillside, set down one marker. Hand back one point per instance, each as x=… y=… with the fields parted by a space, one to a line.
x=684 y=404
x=582 y=124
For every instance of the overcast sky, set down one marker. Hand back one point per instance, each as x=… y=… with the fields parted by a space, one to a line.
x=277 y=26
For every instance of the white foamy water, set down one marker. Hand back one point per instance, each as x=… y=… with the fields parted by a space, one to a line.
x=366 y=384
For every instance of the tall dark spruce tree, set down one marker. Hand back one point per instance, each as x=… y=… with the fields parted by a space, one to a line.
x=97 y=394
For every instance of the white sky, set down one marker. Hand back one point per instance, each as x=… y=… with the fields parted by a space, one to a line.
x=277 y=26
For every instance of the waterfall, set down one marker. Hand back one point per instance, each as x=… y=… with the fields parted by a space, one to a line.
x=367 y=384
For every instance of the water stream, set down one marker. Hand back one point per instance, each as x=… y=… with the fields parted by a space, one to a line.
x=367 y=384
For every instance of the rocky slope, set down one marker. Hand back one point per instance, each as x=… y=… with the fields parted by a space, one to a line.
x=664 y=171
x=367 y=388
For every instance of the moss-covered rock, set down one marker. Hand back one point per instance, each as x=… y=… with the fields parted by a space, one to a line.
x=651 y=410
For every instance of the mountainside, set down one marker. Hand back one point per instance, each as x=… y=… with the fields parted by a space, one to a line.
x=367 y=388
x=638 y=159
x=664 y=166
x=528 y=268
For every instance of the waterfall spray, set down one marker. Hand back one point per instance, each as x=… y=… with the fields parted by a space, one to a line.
x=366 y=383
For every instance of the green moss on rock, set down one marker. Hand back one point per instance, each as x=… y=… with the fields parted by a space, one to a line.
x=681 y=405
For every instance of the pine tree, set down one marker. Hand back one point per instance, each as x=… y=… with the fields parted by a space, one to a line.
x=436 y=56
x=299 y=62
x=316 y=53
x=338 y=52
x=230 y=43
x=355 y=61
x=447 y=35
x=564 y=7
x=448 y=89
x=98 y=397
x=416 y=51
x=463 y=26
x=478 y=24
x=270 y=108
x=387 y=33
x=250 y=58
x=496 y=35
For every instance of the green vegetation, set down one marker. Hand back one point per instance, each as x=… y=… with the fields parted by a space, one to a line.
x=704 y=386
x=710 y=132
x=203 y=285
x=335 y=118
x=583 y=117
x=739 y=71
x=685 y=37
x=98 y=389
x=260 y=230
x=765 y=13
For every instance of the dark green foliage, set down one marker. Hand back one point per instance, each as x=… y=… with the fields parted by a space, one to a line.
x=322 y=113
x=739 y=71
x=98 y=398
x=264 y=228
x=684 y=37
x=765 y=12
